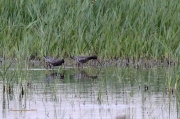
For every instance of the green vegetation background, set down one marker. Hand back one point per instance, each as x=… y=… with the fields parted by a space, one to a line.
x=108 y=28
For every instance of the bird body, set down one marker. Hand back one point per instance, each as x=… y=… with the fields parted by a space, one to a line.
x=54 y=61
x=83 y=59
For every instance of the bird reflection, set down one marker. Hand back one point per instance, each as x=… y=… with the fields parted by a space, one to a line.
x=54 y=75
x=83 y=75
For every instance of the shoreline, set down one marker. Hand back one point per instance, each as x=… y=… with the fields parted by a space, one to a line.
x=140 y=63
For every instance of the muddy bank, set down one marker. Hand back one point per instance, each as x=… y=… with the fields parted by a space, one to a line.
x=141 y=63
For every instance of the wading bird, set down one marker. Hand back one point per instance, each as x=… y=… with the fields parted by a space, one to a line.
x=84 y=59
x=53 y=61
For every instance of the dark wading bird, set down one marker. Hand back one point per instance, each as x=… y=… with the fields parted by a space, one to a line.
x=83 y=59
x=53 y=61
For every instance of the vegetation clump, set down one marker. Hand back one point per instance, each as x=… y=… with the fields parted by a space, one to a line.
x=107 y=28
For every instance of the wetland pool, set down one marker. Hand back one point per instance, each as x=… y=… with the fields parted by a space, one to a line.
x=88 y=93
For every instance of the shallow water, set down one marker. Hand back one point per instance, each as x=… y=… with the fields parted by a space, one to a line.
x=89 y=93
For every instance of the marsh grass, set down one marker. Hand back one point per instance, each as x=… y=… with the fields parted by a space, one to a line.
x=172 y=79
x=149 y=80
x=110 y=29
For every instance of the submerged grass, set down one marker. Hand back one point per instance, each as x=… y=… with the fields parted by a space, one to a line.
x=172 y=79
x=110 y=29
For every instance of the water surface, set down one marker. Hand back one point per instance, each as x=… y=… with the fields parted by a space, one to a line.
x=89 y=93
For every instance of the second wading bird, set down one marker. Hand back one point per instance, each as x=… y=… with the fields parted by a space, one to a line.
x=53 y=61
x=84 y=59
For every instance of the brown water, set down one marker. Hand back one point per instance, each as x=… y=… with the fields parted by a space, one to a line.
x=92 y=93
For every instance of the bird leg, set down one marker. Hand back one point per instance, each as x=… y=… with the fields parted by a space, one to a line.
x=99 y=62
x=48 y=65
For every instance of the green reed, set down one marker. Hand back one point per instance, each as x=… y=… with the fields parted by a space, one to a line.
x=172 y=79
x=118 y=28
x=4 y=70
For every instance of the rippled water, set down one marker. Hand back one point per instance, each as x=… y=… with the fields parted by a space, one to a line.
x=89 y=93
